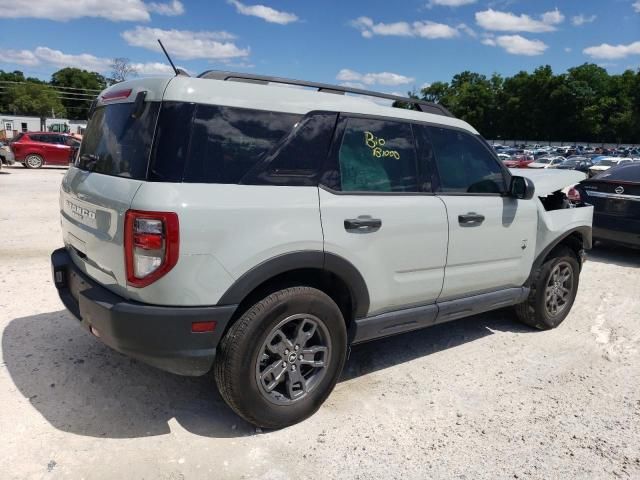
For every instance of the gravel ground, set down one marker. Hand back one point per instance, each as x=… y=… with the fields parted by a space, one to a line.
x=478 y=398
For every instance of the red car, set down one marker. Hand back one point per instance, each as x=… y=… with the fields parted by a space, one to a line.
x=35 y=149
x=520 y=161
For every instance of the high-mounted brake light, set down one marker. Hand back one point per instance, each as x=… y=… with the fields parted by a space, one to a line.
x=116 y=95
x=151 y=245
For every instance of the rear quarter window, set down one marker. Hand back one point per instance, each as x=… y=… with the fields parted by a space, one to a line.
x=214 y=144
x=227 y=142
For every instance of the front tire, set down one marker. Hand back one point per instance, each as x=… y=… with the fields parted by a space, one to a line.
x=280 y=361
x=553 y=291
x=33 y=161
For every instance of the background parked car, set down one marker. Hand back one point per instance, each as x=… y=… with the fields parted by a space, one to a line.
x=548 y=161
x=35 y=149
x=519 y=161
x=615 y=196
x=582 y=164
x=606 y=163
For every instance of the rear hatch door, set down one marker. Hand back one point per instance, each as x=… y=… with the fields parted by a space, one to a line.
x=110 y=167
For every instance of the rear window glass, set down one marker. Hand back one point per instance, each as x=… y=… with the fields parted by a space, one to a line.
x=115 y=143
x=227 y=142
x=624 y=173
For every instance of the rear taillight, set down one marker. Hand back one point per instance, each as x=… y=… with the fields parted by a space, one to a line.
x=573 y=194
x=151 y=245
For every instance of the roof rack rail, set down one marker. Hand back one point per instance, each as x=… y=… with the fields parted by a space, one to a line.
x=421 y=105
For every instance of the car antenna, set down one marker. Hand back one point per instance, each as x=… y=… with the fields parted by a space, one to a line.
x=169 y=58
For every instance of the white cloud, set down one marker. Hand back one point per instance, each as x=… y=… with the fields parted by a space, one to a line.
x=516 y=45
x=582 y=19
x=568 y=49
x=186 y=44
x=353 y=78
x=610 y=52
x=424 y=29
x=450 y=3
x=153 y=68
x=553 y=17
x=171 y=9
x=433 y=30
x=57 y=59
x=509 y=22
x=63 y=10
x=268 y=14
x=20 y=57
x=636 y=6
x=467 y=29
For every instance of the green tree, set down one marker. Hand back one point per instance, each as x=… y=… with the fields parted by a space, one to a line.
x=34 y=99
x=77 y=89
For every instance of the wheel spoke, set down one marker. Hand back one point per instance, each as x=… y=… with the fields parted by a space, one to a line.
x=314 y=356
x=296 y=384
x=273 y=375
x=279 y=343
x=304 y=332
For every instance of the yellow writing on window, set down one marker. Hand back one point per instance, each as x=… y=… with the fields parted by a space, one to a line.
x=376 y=145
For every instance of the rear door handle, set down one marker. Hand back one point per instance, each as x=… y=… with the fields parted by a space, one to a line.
x=470 y=219
x=362 y=224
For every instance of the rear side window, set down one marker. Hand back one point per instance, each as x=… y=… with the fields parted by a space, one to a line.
x=115 y=143
x=298 y=158
x=464 y=164
x=227 y=142
x=377 y=156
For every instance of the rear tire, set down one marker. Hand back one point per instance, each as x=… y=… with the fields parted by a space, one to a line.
x=33 y=161
x=282 y=358
x=553 y=291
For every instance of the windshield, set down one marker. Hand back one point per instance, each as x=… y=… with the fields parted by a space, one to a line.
x=543 y=160
x=116 y=143
x=569 y=163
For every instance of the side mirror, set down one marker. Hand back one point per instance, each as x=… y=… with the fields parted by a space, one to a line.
x=522 y=188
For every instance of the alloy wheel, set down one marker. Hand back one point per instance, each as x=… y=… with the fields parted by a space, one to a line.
x=293 y=359
x=558 y=289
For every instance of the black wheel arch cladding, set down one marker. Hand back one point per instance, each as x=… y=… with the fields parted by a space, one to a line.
x=301 y=260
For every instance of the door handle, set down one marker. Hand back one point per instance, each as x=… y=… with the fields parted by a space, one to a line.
x=362 y=224
x=471 y=219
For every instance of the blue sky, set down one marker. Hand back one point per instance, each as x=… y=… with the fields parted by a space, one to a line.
x=386 y=45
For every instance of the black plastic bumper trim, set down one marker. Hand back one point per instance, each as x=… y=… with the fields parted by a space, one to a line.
x=157 y=335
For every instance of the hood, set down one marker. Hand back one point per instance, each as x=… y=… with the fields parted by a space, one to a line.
x=600 y=167
x=548 y=180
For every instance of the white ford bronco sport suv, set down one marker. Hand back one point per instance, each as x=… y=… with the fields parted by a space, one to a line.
x=226 y=222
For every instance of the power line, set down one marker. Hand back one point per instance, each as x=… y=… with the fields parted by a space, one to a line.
x=52 y=86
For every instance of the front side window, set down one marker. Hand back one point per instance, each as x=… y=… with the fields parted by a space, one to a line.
x=464 y=164
x=377 y=156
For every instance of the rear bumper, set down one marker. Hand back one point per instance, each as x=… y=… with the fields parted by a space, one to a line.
x=159 y=336
x=7 y=157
